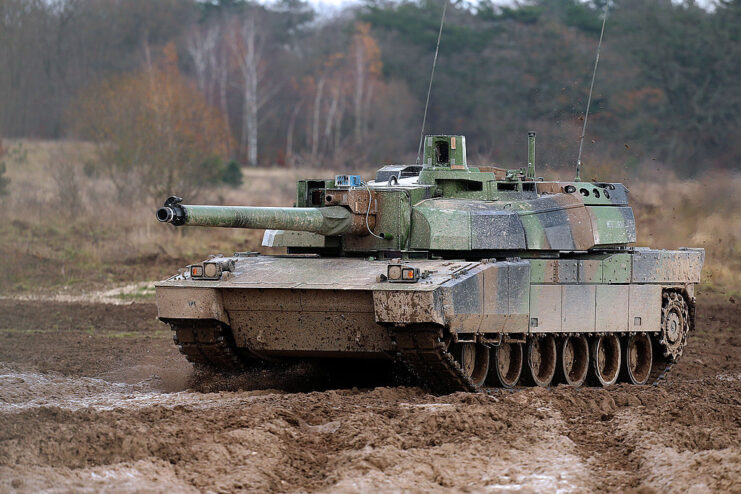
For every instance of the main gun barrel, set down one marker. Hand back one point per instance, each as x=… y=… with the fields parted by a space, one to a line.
x=331 y=220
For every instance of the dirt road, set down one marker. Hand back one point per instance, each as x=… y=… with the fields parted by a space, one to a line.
x=95 y=397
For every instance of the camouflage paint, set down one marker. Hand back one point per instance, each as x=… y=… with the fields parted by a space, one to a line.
x=609 y=293
x=592 y=281
x=558 y=222
x=326 y=221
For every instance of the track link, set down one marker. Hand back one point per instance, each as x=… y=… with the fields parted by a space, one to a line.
x=661 y=367
x=210 y=344
x=424 y=352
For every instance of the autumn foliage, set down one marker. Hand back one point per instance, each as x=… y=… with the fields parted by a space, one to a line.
x=156 y=134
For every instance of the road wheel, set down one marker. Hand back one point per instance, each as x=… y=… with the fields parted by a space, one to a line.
x=473 y=359
x=605 y=356
x=637 y=358
x=507 y=365
x=541 y=360
x=573 y=362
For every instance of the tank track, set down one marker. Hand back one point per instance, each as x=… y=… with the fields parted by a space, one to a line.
x=661 y=367
x=422 y=349
x=210 y=344
x=425 y=355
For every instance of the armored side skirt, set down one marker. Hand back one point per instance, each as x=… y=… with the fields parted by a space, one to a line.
x=320 y=307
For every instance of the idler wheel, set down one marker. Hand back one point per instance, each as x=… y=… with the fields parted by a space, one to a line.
x=473 y=359
x=507 y=365
x=605 y=356
x=541 y=360
x=573 y=362
x=638 y=359
x=675 y=325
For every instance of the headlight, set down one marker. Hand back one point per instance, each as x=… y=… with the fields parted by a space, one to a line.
x=210 y=270
x=394 y=272
x=399 y=273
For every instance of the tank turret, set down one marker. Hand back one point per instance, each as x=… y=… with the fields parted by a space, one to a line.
x=444 y=207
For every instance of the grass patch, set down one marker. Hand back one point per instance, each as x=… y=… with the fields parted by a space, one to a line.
x=142 y=293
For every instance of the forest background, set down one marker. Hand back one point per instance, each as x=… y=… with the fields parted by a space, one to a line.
x=108 y=106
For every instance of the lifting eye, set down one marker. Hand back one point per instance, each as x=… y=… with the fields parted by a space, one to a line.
x=596 y=193
x=570 y=189
x=584 y=192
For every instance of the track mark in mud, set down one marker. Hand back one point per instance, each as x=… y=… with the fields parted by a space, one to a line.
x=590 y=416
x=156 y=477
x=669 y=439
x=688 y=437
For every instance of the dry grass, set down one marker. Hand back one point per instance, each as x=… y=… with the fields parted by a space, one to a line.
x=60 y=227
x=698 y=213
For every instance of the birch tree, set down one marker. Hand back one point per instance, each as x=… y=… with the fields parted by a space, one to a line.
x=248 y=45
x=202 y=45
x=366 y=58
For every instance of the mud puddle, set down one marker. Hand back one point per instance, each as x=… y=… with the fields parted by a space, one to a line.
x=23 y=391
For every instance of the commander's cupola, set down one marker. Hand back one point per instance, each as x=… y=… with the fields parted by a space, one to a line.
x=445 y=151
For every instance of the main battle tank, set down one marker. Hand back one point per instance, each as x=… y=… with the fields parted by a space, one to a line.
x=469 y=276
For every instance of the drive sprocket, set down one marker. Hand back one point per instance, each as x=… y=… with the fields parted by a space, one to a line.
x=675 y=325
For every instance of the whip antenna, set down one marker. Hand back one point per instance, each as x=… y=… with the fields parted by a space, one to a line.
x=432 y=74
x=589 y=100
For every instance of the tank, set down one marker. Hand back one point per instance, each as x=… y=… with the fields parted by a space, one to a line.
x=468 y=276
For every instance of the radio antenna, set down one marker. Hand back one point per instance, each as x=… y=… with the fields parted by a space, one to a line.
x=429 y=88
x=589 y=100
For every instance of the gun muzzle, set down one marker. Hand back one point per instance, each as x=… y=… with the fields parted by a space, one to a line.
x=165 y=215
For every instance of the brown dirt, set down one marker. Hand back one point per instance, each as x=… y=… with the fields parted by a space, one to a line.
x=95 y=397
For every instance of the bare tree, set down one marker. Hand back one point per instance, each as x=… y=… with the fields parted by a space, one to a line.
x=332 y=112
x=289 y=132
x=316 y=117
x=366 y=68
x=360 y=78
x=202 y=45
x=220 y=64
x=208 y=48
x=248 y=46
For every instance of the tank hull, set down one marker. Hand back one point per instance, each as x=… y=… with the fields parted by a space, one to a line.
x=295 y=306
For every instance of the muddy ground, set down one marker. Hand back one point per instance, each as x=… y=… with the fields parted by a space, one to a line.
x=95 y=397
